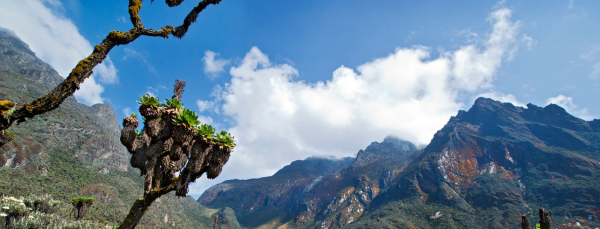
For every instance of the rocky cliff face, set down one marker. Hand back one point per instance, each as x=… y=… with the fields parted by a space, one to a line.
x=332 y=192
x=17 y=58
x=90 y=133
x=495 y=161
x=482 y=170
x=278 y=195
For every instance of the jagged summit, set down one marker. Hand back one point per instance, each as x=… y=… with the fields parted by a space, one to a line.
x=399 y=143
x=16 y=57
x=318 y=166
x=390 y=147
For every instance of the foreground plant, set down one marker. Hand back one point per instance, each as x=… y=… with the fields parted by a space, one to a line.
x=226 y=139
x=39 y=212
x=174 y=103
x=169 y=145
x=206 y=131
x=148 y=100
x=187 y=118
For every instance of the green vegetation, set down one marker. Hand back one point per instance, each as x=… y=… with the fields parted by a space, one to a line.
x=133 y=115
x=187 y=118
x=149 y=100
x=174 y=103
x=138 y=134
x=83 y=200
x=226 y=139
x=9 y=133
x=38 y=211
x=113 y=194
x=206 y=131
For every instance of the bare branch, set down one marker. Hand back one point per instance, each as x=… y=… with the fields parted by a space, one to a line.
x=172 y=3
x=192 y=16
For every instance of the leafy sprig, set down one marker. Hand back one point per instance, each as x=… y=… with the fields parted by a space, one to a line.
x=226 y=139
x=174 y=103
x=149 y=100
x=9 y=134
x=206 y=131
x=187 y=117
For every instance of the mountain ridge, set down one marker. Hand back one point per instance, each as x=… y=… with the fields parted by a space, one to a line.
x=484 y=168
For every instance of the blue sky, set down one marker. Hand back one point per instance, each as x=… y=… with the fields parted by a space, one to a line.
x=292 y=79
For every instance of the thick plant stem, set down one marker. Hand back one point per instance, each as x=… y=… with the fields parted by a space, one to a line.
x=137 y=211
x=140 y=206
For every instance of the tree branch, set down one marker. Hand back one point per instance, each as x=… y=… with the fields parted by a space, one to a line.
x=83 y=69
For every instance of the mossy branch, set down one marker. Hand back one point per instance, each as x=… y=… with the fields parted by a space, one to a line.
x=84 y=68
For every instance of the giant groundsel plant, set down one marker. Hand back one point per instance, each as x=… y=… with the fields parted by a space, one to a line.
x=171 y=142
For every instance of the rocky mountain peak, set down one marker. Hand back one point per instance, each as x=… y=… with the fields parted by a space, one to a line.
x=17 y=57
x=400 y=144
x=315 y=166
x=390 y=147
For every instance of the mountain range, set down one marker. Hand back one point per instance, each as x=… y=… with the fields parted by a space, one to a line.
x=483 y=169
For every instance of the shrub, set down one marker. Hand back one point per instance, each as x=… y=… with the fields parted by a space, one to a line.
x=44 y=203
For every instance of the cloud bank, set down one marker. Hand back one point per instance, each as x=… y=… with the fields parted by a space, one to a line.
x=408 y=94
x=57 y=41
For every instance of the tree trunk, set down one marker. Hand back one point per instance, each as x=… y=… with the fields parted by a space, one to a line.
x=137 y=211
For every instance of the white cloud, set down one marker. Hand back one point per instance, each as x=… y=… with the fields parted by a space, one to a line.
x=529 y=41
x=473 y=68
x=408 y=94
x=132 y=53
x=55 y=40
x=90 y=92
x=204 y=105
x=571 y=4
x=590 y=53
x=567 y=103
x=107 y=72
x=122 y=19
x=505 y=98
x=127 y=111
x=213 y=66
x=595 y=71
x=152 y=91
x=205 y=119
